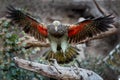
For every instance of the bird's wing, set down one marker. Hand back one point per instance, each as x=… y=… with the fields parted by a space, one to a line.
x=86 y=29
x=29 y=24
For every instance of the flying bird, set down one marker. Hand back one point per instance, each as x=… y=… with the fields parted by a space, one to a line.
x=60 y=36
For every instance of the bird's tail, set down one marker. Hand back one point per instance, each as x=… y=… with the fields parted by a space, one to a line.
x=61 y=57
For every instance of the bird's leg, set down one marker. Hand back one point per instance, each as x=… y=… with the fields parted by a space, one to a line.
x=54 y=46
x=64 y=46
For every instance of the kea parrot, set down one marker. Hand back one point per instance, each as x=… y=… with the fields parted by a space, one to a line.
x=60 y=36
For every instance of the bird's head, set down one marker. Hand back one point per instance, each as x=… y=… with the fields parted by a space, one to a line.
x=56 y=24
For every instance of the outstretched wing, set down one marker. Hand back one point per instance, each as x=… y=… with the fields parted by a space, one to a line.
x=86 y=29
x=29 y=24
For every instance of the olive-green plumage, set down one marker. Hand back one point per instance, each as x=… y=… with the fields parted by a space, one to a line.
x=61 y=57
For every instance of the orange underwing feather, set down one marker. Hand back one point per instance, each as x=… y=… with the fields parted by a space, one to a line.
x=42 y=30
x=29 y=24
x=87 y=29
x=74 y=29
